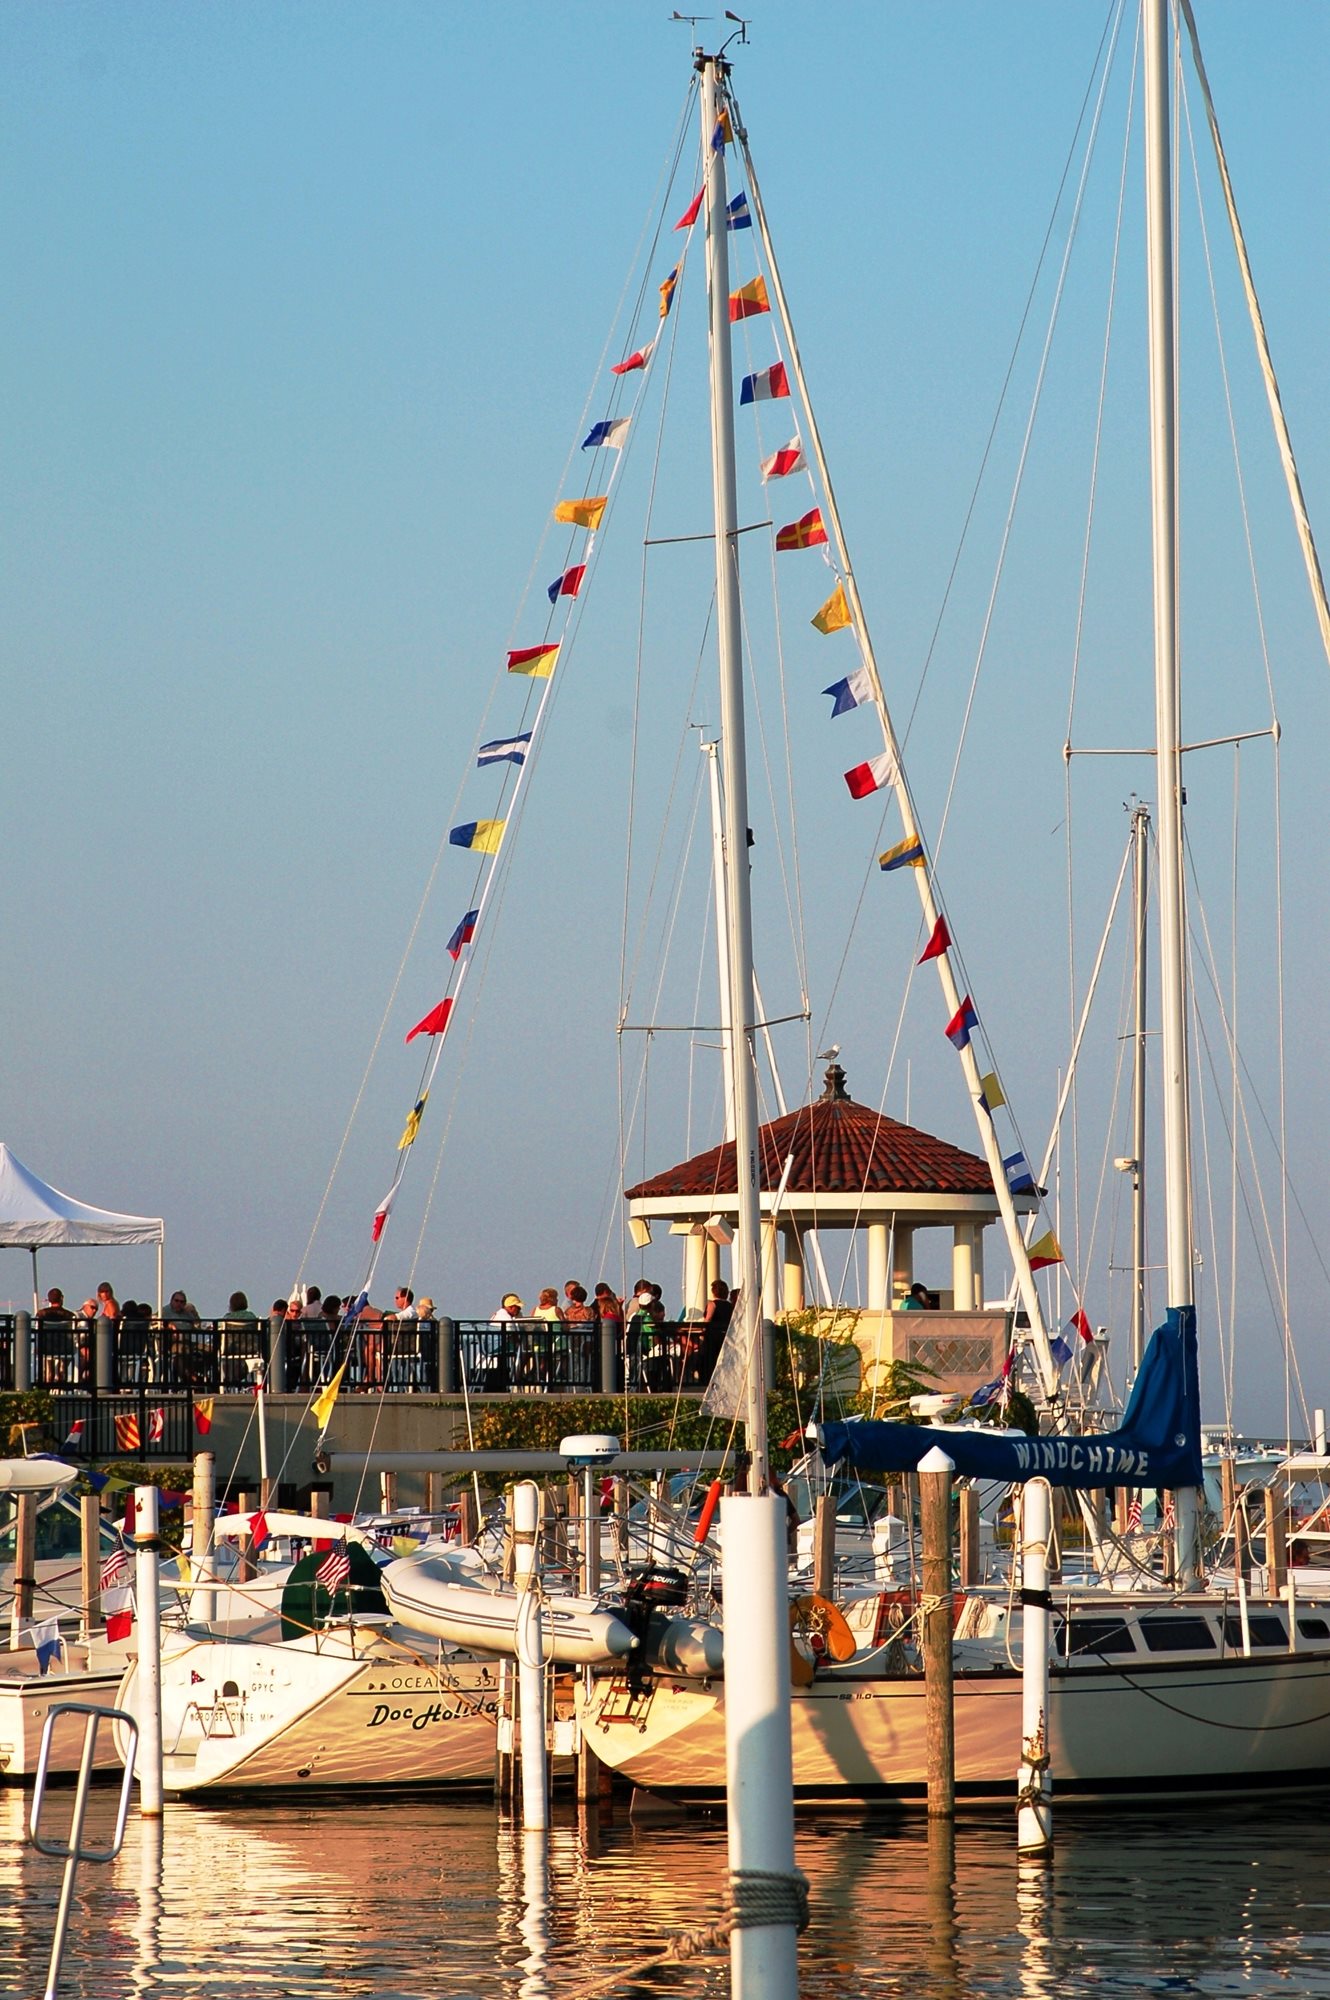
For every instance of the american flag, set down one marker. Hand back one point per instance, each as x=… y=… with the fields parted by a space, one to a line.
x=1170 y=1512
x=335 y=1569
x=1134 y=1512
x=114 y=1568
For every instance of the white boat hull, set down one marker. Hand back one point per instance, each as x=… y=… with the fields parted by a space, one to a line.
x=250 y=1715
x=26 y=1699
x=1153 y=1729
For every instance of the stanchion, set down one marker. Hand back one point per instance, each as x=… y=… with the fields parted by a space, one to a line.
x=1034 y=1796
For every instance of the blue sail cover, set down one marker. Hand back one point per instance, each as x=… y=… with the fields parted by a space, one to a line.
x=1159 y=1443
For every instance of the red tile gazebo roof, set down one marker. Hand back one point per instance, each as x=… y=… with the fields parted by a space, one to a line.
x=839 y=1147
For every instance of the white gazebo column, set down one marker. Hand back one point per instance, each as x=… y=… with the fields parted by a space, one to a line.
x=770 y=1270
x=978 y=1266
x=902 y=1261
x=962 y=1266
x=879 y=1266
x=712 y=1250
x=792 y=1278
x=694 y=1274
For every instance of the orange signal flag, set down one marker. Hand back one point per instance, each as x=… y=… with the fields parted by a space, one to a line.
x=749 y=300
x=834 y=615
x=583 y=513
x=805 y=533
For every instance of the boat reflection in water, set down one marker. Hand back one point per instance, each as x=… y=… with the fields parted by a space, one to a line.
x=424 y=1895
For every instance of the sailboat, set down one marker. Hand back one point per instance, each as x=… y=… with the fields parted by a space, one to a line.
x=1154 y=1693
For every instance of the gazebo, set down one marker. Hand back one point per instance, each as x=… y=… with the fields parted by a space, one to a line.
x=838 y=1165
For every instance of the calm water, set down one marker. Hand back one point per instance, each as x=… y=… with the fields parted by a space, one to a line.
x=415 y=1899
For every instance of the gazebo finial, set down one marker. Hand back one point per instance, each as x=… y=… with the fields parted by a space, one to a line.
x=835 y=1091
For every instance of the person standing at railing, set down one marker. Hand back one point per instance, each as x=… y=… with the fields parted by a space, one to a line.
x=543 y=1369
x=55 y=1338
x=578 y=1313
x=135 y=1355
x=235 y=1342
x=179 y=1322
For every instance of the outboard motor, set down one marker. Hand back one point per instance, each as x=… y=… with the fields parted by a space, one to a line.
x=652 y=1602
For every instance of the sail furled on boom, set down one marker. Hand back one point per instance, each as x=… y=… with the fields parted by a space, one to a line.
x=1158 y=1443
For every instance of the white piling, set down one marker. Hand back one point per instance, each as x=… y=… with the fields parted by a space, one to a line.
x=1034 y=1796
x=758 y=1761
x=530 y=1657
x=148 y=1612
x=1318 y=1431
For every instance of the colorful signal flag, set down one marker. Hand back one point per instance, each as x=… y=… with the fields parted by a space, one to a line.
x=1045 y=1251
x=790 y=458
x=852 y=692
x=412 y=1126
x=905 y=854
x=767 y=386
x=638 y=359
x=750 y=300
x=939 y=942
x=690 y=214
x=203 y=1409
x=434 y=1023
x=464 y=933
x=607 y=435
x=381 y=1214
x=568 y=584
x=503 y=750
x=805 y=533
x=1019 y=1178
x=537 y=661
x=736 y=212
x=990 y=1090
x=872 y=776
x=667 y=292
x=962 y=1024
x=834 y=615
x=582 y=513
x=483 y=836
x=323 y=1403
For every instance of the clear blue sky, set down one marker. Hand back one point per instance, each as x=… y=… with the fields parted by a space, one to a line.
x=305 y=306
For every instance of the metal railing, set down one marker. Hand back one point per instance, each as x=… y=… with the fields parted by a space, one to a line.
x=129 y=1387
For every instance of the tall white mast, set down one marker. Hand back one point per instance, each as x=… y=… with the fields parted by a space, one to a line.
x=1168 y=745
x=1168 y=714
x=738 y=909
x=1140 y=847
x=711 y=751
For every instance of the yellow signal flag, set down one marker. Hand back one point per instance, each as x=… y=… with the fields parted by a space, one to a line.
x=322 y=1405
x=1046 y=1250
x=835 y=613
x=582 y=513
x=992 y=1090
x=414 y=1117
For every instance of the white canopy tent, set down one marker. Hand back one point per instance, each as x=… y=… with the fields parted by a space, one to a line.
x=35 y=1217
